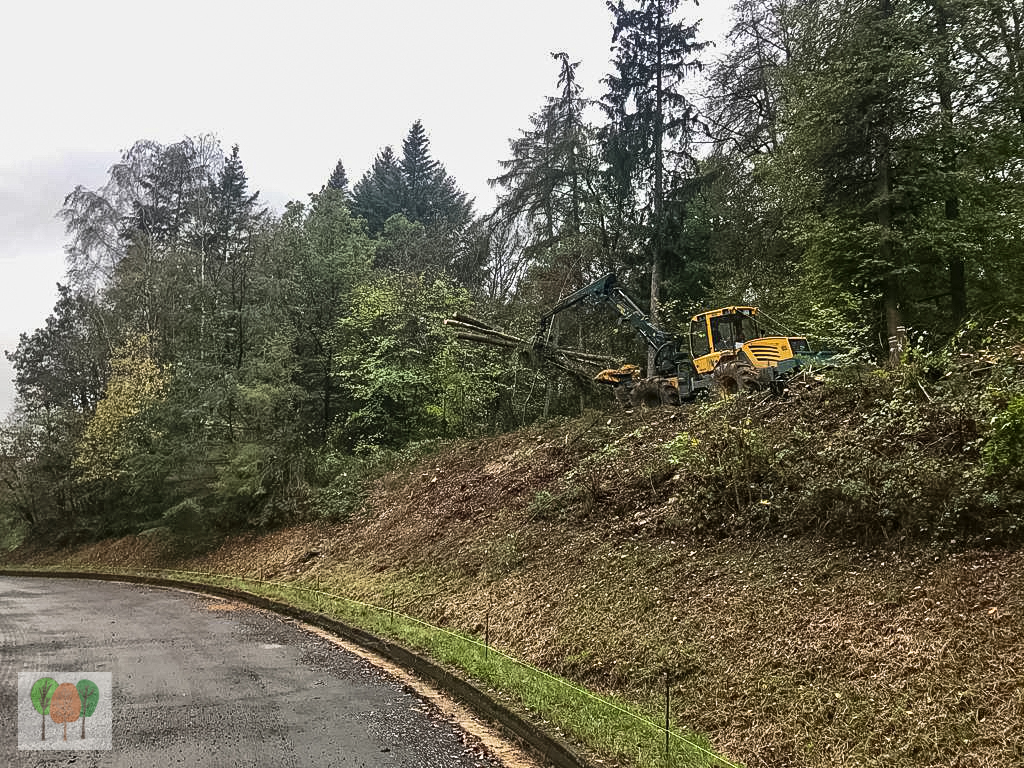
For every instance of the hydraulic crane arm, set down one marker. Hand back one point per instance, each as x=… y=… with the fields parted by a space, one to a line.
x=606 y=289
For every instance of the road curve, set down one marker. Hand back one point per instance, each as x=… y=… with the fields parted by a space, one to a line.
x=200 y=681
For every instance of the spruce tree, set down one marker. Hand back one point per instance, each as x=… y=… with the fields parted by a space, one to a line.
x=378 y=194
x=339 y=179
x=650 y=119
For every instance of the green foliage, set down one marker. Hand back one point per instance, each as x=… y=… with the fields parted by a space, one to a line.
x=185 y=518
x=928 y=452
x=811 y=104
x=415 y=186
x=1004 y=448
x=89 y=694
x=340 y=484
x=683 y=449
x=118 y=427
x=865 y=157
x=407 y=378
x=42 y=693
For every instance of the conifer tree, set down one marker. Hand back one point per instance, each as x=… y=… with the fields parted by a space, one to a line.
x=378 y=194
x=339 y=179
x=650 y=119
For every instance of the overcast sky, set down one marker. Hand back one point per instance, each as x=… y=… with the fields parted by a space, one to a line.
x=296 y=85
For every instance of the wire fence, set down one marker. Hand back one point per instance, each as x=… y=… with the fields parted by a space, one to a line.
x=670 y=743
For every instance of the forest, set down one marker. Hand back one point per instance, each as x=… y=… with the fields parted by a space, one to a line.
x=855 y=167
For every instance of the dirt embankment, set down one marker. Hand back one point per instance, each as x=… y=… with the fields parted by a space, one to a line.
x=785 y=650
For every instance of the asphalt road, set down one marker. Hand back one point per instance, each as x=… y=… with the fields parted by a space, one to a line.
x=204 y=682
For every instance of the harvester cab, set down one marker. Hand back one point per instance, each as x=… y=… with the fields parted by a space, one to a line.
x=729 y=345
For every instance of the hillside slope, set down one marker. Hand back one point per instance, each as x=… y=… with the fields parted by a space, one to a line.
x=883 y=626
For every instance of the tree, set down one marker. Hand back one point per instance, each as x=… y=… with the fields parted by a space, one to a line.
x=420 y=189
x=116 y=429
x=143 y=239
x=62 y=364
x=89 y=695
x=233 y=225
x=550 y=182
x=42 y=696
x=60 y=370
x=744 y=86
x=429 y=195
x=378 y=194
x=234 y=211
x=646 y=109
x=65 y=706
x=420 y=176
x=406 y=377
x=323 y=255
x=338 y=180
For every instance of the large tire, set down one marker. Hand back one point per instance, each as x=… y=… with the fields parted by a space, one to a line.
x=655 y=392
x=736 y=377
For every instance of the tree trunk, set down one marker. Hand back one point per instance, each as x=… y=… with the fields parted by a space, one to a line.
x=896 y=331
x=894 y=321
x=659 y=194
x=944 y=88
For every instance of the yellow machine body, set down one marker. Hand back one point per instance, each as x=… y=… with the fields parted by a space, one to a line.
x=732 y=332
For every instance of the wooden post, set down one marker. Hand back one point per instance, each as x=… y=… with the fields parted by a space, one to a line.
x=667 y=715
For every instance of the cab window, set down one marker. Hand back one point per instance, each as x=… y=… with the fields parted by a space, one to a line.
x=730 y=331
x=723 y=333
x=698 y=338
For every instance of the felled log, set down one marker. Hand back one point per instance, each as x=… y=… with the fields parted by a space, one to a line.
x=468 y=328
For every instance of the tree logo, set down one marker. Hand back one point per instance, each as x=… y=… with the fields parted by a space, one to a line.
x=63 y=698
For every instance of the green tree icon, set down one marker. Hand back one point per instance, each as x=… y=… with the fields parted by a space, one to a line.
x=89 y=693
x=42 y=694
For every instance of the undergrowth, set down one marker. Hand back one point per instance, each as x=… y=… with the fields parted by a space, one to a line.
x=930 y=452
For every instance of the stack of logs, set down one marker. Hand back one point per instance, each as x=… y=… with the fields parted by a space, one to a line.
x=534 y=352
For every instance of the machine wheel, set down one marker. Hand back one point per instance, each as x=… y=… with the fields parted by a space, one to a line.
x=654 y=392
x=734 y=376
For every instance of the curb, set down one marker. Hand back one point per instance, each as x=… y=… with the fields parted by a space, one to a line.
x=550 y=749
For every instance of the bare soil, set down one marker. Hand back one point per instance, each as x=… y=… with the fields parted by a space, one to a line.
x=784 y=651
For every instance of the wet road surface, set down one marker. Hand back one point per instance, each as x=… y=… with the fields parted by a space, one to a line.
x=200 y=681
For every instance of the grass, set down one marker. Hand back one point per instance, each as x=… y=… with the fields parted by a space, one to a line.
x=607 y=727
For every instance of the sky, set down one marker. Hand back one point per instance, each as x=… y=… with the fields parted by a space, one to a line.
x=298 y=86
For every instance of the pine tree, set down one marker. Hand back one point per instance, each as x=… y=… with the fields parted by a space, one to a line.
x=550 y=179
x=378 y=194
x=234 y=212
x=650 y=119
x=339 y=180
x=234 y=223
x=429 y=195
x=420 y=176
x=416 y=186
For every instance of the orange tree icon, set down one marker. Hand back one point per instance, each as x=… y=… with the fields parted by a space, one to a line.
x=65 y=706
